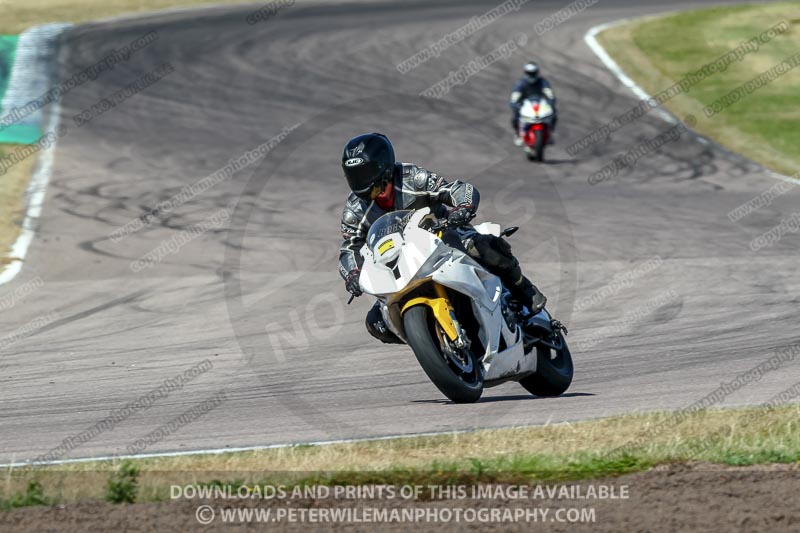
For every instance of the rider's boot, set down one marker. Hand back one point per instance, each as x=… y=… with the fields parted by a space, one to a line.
x=526 y=293
x=515 y=128
x=377 y=327
x=520 y=287
x=495 y=253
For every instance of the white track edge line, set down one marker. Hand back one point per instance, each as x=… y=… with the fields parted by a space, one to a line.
x=35 y=195
x=256 y=448
x=591 y=40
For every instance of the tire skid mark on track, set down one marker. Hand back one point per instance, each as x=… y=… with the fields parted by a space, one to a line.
x=94 y=310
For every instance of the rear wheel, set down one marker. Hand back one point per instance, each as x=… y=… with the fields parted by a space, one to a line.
x=456 y=373
x=554 y=370
x=538 y=146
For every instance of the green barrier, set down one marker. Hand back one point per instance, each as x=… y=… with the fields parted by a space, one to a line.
x=14 y=133
x=8 y=44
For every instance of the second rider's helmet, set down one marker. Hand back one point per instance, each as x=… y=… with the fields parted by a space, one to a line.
x=532 y=71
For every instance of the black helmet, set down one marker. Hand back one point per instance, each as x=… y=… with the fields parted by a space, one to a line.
x=367 y=160
x=532 y=70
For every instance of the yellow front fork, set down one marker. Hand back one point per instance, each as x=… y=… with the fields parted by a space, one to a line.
x=441 y=308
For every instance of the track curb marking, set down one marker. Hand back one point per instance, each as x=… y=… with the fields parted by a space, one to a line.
x=26 y=68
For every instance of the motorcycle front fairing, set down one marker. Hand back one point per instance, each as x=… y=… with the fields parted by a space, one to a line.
x=413 y=257
x=504 y=348
x=536 y=110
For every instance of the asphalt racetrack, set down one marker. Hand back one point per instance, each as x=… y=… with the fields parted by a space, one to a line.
x=257 y=292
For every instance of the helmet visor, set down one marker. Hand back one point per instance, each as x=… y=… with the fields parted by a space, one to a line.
x=362 y=175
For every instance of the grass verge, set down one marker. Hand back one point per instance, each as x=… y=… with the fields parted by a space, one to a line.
x=563 y=452
x=18 y=16
x=12 y=204
x=763 y=125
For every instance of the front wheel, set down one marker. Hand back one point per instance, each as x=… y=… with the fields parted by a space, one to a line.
x=554 y=370
x=457 y=374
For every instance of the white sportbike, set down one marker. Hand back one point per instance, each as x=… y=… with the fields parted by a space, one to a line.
x=464 y=327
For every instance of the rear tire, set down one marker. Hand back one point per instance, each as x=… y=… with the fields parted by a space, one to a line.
x=421 y=335
x=553 y=375
x=538 y=146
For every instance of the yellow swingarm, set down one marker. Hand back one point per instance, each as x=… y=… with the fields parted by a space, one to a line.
x=441 y=310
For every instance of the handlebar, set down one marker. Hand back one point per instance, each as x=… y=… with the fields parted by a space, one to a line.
x=444 y=224
x=440 y=226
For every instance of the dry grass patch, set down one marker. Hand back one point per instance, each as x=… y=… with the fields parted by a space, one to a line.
x=565 y=451
x=658 y=52
x=19 y=15
x=12 y=200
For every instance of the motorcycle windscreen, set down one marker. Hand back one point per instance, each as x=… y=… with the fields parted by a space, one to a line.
x=535 y=109
x=394 y=222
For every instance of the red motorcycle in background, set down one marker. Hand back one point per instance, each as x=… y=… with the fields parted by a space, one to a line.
x=535 y=124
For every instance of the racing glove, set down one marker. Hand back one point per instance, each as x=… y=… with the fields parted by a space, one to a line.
x=461 y=214
x=351 y=282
